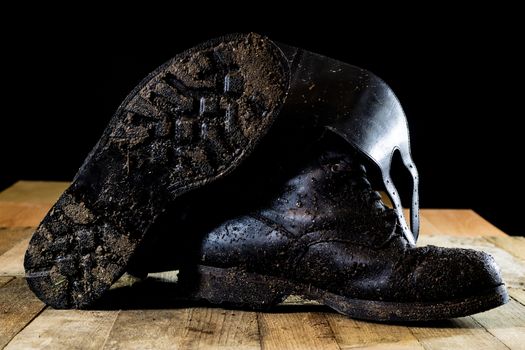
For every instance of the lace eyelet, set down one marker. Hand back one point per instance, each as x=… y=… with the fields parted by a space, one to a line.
x=335 y=168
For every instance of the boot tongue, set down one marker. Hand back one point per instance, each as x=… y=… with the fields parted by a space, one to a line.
x=331 y=199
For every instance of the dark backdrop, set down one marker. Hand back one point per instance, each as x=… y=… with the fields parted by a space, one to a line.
x=458 y=78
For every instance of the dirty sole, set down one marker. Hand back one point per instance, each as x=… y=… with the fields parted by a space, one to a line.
x=191 y=121
x=239 y=288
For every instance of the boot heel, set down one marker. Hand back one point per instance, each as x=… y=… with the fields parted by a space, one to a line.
x=232 y=287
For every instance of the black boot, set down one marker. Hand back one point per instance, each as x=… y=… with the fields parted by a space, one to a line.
x=327 y=236
x=190 y=123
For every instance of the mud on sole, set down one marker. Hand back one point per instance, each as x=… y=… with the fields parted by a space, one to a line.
x=241 y=289
x=191 y=121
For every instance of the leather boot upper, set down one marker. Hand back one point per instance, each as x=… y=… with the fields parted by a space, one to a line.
x=328 y=228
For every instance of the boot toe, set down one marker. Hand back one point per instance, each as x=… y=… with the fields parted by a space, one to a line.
x=451 y=273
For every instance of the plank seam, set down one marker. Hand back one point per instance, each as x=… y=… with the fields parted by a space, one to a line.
x=495 y=244
x=489 y=332
x=110 y=329
x=27 y=324
x=257 y=318
x=416 y=338
x=516 y=300
x=10 y=281
x=327 y=321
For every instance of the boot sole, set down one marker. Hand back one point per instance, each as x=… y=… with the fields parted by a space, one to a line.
x=190 y=122
x=241 y=289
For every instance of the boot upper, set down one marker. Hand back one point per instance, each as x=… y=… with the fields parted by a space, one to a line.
x=328 y=228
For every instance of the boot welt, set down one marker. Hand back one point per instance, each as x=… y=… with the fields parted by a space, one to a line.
x=230 y=286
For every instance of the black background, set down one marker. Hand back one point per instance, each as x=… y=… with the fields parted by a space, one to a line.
x=457 y=74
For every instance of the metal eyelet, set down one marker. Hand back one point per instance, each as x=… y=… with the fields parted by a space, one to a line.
x=335 y=168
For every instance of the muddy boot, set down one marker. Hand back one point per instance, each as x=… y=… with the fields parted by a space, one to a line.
x=327 y=236
x=188 y=123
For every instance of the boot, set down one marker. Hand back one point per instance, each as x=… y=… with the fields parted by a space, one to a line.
x=327 y=236
x=189 y=124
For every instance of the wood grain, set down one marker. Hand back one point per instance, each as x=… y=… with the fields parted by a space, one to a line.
x=27 y=202
x=66 y=329
x=506 y=322
x=4 y=280
x=190 y=328
x=36 y=192
x=18 y=306
x=296 y=330
x=12 y=261
x=462 y=333
x=140 y=329
x=513 y=245
x=12 y=235
x=460 y=222
x=22 y=214
x=207 y=327
x=352 y=334
x=426 y=227
x=518 y=295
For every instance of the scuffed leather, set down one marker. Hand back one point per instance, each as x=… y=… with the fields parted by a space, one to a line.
x=412 y=274
x=328 y=228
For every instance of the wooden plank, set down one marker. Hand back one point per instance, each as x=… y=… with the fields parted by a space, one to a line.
x=507 y=323
x=140 y=329
x=36 y=192
x=12 y=261
x=455 y=222
x=512 y=268
x=22 y=214
x=27 y=202
x=513 y=245
x=518 y=295
x=195 y=328
x=460 y=222
x=66 y=329
x=9 y=237
x=18 y=306
x=220 y=328
x=425 y=226
x=461 y=333
x=351 y=334
x=4 y=280
x=296 y=330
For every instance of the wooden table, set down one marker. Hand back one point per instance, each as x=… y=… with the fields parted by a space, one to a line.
x=25 y=322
